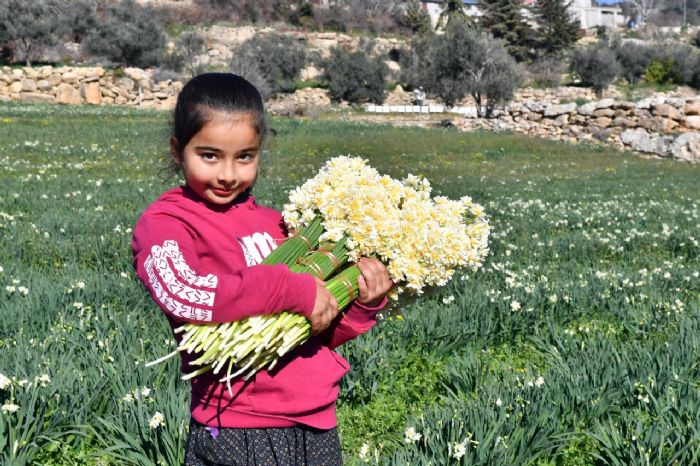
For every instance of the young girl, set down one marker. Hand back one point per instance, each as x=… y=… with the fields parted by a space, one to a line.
x=197 y=249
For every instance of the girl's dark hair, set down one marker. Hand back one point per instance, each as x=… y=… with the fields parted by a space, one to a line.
x=215 y=92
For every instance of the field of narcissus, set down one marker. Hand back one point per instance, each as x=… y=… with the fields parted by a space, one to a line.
x=576 y=344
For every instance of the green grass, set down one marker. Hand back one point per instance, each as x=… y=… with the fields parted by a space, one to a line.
x=576 y=344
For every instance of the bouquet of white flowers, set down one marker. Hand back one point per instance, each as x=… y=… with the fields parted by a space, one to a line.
x=348 y=210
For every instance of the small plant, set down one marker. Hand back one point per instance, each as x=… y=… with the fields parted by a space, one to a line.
x=659 y=72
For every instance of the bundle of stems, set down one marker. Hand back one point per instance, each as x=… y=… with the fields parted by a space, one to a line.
x=249 y=345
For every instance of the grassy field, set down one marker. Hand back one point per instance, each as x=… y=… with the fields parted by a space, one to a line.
x=576 y=344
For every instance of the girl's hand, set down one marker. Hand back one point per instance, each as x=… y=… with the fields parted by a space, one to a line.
x=374 y=282
x=325 y=309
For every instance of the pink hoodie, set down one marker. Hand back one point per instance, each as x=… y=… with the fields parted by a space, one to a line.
x=199 y=262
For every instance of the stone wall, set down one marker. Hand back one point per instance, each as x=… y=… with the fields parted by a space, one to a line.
x=87 y=85
x=660 y=126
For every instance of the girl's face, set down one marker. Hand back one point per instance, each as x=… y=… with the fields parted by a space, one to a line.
x=221 y=160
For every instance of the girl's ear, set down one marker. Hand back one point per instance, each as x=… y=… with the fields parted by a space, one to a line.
x=175 y=150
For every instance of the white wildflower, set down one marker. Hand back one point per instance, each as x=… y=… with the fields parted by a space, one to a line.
x=158 y=420
x=9 y=408
x=514 y=305
x=4 y=382
x=411 y=436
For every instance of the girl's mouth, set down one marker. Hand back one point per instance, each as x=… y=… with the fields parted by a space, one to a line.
x=222 y=192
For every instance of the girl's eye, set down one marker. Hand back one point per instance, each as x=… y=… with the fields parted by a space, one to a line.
x=247 y=156
x=208 y=156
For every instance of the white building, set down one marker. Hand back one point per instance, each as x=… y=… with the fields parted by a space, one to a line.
x=590 y=16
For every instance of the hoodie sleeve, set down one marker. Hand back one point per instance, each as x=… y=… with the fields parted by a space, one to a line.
x=355 y=321
x=168 y=266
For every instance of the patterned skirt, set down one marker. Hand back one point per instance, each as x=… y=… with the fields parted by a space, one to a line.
x=288 y=446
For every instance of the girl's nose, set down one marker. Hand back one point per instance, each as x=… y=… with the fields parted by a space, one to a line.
x=227 y=174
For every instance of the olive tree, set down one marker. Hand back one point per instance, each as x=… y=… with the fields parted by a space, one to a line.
x=465 y=61
x=129 y=34
x=29 y=25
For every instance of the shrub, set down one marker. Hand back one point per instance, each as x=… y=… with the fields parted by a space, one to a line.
x=547 y=70
x=683 y=60
x=415 y=18
x=247 y=67
x=596 y=66
x=634 y=58
x=187 y=46
x=354 y=77
x=280 y=58
x=464 y=61
x=129 y=34
x=658 y=72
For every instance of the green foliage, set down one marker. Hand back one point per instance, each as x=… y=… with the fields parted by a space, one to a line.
x=598 y=248
x=30 y=25
x=557 y=31
x=188 y=45
x=634 y=59
x=354 y=76
x=279 y=59
x=416 y=18
x=504 y=20
x=129 y=34
x=597 y=67
x=465 y=61
x=659 y=72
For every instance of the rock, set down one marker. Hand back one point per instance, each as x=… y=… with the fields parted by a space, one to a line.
x=640 y=141
x=561 y=120
x=17 y=73
x=623 y=105
x=137 y=74
x=125 y=83
x=668 y=111
x=623 y=122
x=646 y=104
x=588 y=109
x=55 y=79
x=692 y=108
x=92 y=93
x=161 y=95
x=605 y=112
x=556 y=110
x=393 y=66
x=686 y=147
x=602 y=122
x=310 y=72
x=44 y=85
x=120 y=100
x=67 y=94
x=69 y=77
x=692 y=122
x=29 y=85
x=15 y=87
x=36 y=98
x=678 y=102
x=605 y=103
x=658 y=124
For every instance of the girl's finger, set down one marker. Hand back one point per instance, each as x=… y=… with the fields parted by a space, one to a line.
x=362 y=286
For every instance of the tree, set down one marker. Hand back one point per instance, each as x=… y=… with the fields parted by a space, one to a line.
x=354 y=76
x=189 y=45
x=452 y=10
x=30 y=25
x=597 y=67
x=416 y=18
x=465 y=61
x=129 y=34
x=634 y=58
x=557 y=30
x=644 y=9
x=279 y=57
x=503 y=19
